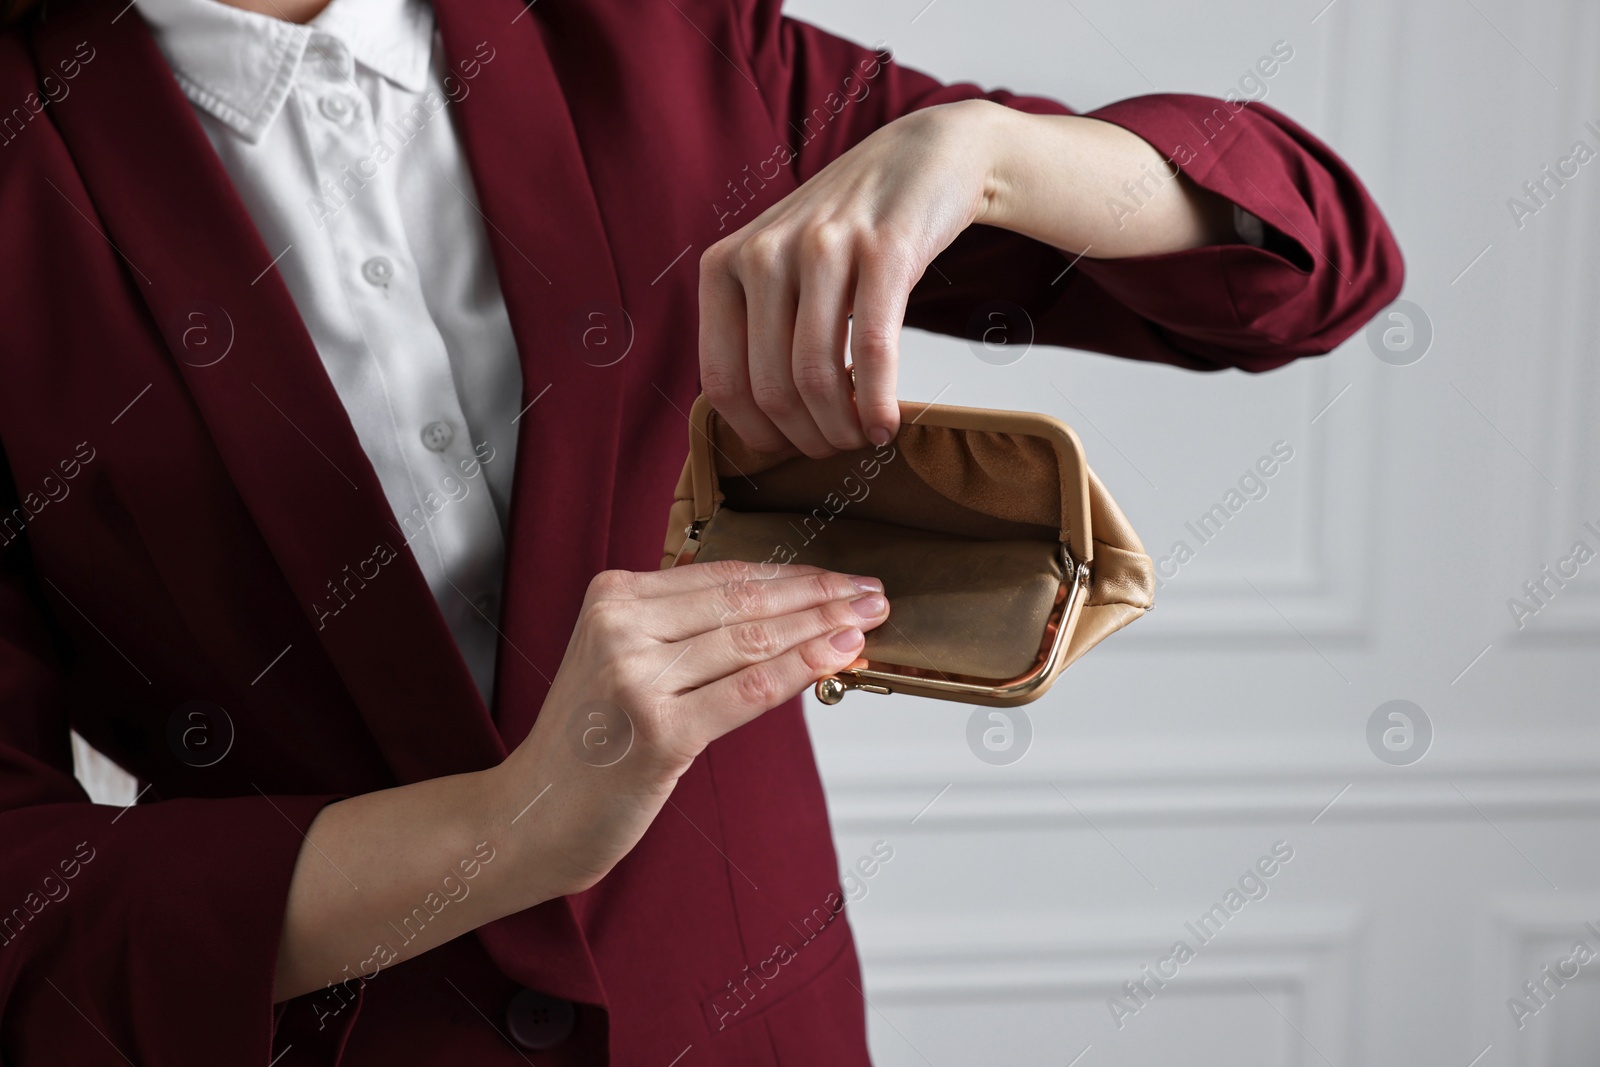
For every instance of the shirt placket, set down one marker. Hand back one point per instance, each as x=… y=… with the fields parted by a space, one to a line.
x=433 y=463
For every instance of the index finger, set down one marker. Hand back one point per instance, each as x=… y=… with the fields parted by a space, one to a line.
x=647 y=585
x=725 y=354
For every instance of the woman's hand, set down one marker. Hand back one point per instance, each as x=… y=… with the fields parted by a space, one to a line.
x=661 y=664
x=775 y=296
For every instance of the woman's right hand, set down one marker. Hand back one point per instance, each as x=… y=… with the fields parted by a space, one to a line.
x=660 y=664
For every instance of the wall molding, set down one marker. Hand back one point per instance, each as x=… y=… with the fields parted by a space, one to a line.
x=1517 y=937
x=1192 y=781
x=1302 y=955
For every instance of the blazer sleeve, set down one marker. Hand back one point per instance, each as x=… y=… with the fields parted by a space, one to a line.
x=1327 y=265
x=149 y=933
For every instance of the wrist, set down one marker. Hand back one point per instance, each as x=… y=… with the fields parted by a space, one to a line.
x=511 y=820
x=1002 y=137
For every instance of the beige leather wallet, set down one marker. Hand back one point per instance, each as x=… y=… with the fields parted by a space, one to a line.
x=1003 y=557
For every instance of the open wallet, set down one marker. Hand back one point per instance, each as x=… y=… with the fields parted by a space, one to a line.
x=1003 y=557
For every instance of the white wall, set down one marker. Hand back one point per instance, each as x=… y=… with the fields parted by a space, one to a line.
x=1378 y=568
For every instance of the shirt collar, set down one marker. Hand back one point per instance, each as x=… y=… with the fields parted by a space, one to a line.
x=239 y=65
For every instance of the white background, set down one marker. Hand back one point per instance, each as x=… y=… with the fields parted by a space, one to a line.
x=1377 y=568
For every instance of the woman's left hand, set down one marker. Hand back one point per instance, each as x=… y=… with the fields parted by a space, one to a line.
x=777 y=297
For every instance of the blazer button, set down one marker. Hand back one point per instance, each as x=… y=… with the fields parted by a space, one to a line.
x=539 y=1022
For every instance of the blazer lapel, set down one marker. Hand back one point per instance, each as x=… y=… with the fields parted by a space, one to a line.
x=163 y=199
x=559 y=281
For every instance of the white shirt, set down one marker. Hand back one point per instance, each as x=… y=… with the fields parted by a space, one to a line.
x=339 y=139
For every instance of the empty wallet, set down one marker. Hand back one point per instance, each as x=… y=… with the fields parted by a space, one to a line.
x=1003 y=557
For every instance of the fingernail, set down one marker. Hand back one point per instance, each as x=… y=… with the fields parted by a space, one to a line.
x=869 y=607
x=864 y=584
x=879 y=435
x=846 y=640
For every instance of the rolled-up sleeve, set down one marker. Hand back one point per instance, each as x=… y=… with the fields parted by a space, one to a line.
x=1328 y=262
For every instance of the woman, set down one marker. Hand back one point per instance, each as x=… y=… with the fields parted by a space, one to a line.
x=345 y=369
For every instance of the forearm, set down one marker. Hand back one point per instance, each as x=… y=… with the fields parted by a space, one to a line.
x=391 y=874
x=1091 y=187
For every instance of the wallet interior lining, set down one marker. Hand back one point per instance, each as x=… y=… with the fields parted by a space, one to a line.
x=962 y=527
x=980 y=484
x=958 y=606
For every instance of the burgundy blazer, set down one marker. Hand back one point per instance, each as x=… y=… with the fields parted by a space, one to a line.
x=177 y=506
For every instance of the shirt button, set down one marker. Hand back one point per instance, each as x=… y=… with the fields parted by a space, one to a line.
x=436 y=436
x=538 y=1022
x=377 y=270
x=483 y=603
x=337 y=108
